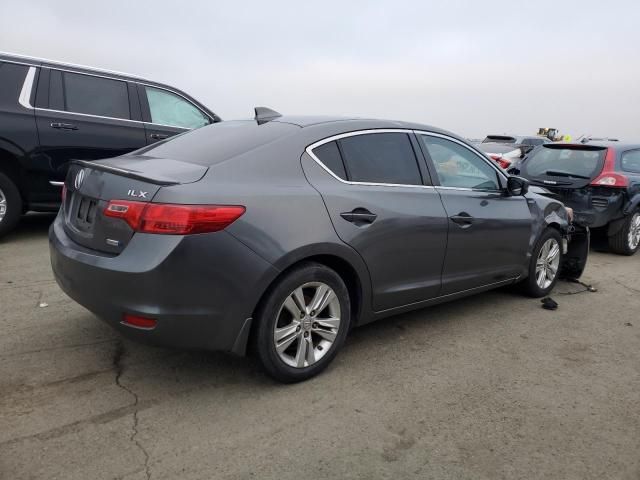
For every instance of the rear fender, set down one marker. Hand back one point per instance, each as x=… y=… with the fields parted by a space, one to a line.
x=632 y=205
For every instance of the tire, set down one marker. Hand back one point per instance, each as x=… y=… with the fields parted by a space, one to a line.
x=538 y=284
x=627 y=240
x=294 y=361
x=10 y=205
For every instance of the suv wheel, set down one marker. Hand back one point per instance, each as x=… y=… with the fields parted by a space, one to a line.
x=545 y=264
x=627 y=240
x=302 y=323
x=10 y=205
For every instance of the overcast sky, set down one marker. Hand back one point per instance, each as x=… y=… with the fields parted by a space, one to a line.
x=473 y=67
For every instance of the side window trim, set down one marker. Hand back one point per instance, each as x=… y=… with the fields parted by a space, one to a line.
x=434 y=174
x=146 y=111
x=336 y=138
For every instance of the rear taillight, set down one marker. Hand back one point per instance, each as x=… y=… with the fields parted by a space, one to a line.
x=500 y=160
x=173 y=219
x=609 y=177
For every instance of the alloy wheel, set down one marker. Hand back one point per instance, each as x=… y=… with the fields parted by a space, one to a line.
x=634 y=232
x=307 y=324
x=547 y=263
x=3 y=205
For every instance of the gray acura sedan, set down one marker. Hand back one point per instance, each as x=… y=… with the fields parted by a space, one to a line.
x=278 y=235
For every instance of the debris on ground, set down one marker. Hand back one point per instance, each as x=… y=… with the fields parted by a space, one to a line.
x=549 y=303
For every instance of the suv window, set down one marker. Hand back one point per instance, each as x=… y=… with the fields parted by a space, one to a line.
x=457 y=166
x=380 y=158
x=95 y=95
x=631 y=161
x=169 y=109
x=330 y=156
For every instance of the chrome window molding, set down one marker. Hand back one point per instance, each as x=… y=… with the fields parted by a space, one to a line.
x=27 y=87
x=311 y=147
x=56 y=184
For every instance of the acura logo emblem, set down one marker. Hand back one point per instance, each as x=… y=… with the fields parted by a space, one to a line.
x=79 y=179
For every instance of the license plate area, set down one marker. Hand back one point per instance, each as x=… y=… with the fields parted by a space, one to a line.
x=83 y=218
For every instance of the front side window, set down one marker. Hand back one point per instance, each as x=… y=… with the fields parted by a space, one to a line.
x=92 y=95
x=380 y=158
x=459 y=167
x=167 y=108
x=631 y=161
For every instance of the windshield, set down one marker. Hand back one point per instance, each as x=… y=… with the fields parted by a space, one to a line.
x=565 y=162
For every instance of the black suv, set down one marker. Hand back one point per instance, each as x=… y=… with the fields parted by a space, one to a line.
x=52 y=112
x=600 y=181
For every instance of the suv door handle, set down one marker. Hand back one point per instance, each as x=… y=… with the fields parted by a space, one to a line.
x=359 y=216
x=159 y=136
x=64 y=126
x=463 y=219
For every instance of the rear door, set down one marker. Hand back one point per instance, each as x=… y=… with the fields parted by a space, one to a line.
x=489 y=232
x=167 y=113
x=85 y=117
x=381 y=202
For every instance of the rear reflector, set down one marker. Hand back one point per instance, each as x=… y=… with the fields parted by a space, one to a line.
x=173 y=219
x=139 y=322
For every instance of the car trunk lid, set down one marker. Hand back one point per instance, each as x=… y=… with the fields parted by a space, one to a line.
x=90 y=186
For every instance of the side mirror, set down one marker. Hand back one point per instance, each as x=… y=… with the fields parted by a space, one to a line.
x=517 y=186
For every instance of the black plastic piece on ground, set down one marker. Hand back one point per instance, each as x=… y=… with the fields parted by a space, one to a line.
x=549 y=303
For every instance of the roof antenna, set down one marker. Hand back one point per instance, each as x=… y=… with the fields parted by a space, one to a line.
x=264 y=115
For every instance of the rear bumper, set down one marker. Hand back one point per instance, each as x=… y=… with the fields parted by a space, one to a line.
x=596 y=218
x=201 y=289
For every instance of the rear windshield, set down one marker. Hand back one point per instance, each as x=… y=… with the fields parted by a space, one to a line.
x=218 y=142
x=565 y=162
x=499 y=139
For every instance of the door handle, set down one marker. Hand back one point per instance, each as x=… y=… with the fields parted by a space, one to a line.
x=64 y=126
x=159 y=136
x=463 y=219
x=359 y=216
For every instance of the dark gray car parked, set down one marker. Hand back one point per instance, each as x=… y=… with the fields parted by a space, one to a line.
x=282 y=233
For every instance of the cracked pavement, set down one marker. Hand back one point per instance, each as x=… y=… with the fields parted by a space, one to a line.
x=489 y=387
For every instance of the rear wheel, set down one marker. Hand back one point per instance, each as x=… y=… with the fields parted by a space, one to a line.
x=10 y=205
x=545 y=264
x=627 y=239
x=302 y=323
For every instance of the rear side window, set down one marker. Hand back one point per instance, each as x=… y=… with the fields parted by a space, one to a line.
x=380 y=158
x=329 y=155
x=631 y=161
x=167 y=108
x=104 y=97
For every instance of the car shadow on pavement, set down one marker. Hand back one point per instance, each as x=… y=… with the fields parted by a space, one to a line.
x=31 y=226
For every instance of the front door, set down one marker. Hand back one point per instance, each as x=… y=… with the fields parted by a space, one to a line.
x=381 y=203
x=489 y=232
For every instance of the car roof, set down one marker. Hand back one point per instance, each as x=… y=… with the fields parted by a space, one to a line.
x=620 y=146
x=357 y=123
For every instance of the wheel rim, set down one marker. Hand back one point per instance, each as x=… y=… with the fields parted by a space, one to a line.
x=307 y=324
x=3 y=205
x=634 y=231
x=547 y=263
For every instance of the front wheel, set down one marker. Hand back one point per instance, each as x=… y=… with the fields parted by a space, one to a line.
x=545 y=264
x=302 y=323
x=627 y=240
